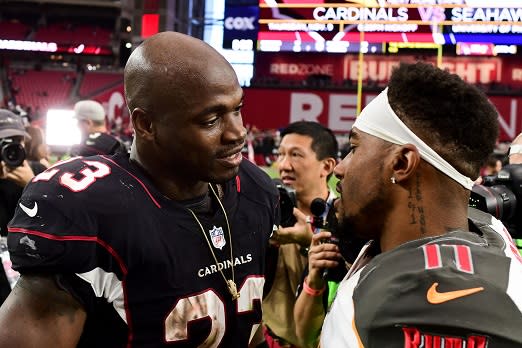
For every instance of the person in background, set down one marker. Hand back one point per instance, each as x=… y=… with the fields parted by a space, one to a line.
x=306 y=157
x=37 y=149
x=491 y=168
x=163 y=247
x=311 y=306
x=493 y=165
x=96 y=139
x=16 y=171
x=406 y=185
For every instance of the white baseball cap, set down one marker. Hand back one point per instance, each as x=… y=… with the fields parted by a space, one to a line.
x=89 y=110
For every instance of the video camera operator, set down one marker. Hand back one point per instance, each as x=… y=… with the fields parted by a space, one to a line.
x=307 y=154
x=15 y=173
x=501 y=194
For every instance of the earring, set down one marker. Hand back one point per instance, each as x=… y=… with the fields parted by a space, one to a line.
x=393 y=181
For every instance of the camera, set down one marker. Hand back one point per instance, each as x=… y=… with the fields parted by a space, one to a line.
x=287 y=202
x=12 y=152
x=501 y=196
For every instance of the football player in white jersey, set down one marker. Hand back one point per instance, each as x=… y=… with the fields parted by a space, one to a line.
x=436 y=273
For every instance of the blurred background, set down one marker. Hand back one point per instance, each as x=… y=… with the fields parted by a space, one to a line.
x=316 y=60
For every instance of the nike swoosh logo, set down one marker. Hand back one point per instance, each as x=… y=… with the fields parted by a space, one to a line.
x=30 y=211
x=435 y=297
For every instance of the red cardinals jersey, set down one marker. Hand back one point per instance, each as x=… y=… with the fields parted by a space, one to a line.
x=139 y=262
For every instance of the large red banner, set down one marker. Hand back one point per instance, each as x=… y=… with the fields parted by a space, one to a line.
x=276 y=108
x=378 y=68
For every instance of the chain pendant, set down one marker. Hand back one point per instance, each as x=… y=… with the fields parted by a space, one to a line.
x=232 y=289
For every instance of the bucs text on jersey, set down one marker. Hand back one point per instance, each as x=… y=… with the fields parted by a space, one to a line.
x=460 y=290
x=138 y=262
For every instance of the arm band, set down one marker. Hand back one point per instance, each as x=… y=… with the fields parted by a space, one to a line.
x=310 y=291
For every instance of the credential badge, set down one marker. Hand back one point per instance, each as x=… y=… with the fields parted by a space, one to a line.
x=218 y=237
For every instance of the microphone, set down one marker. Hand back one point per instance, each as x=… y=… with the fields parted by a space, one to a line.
x=318 y=207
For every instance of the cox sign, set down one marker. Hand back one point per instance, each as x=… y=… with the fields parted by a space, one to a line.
x=241 y=22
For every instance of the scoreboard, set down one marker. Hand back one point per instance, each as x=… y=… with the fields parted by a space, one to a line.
x=353 y=25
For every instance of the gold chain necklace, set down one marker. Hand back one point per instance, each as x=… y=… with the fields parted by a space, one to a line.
x=231 y=283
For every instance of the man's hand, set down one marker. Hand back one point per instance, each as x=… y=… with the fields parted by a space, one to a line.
x=19 y=175
x=300 y=233
x=320 y=256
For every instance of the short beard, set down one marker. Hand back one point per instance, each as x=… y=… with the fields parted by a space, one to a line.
x=350 y=229
x=349 y=243
x=347 y=231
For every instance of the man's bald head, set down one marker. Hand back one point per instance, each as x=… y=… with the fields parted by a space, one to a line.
x=169 y=67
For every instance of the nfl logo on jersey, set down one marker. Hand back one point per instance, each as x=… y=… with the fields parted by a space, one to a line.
x=218 y=237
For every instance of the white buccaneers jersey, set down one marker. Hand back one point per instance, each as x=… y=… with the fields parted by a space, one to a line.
x=459 y=290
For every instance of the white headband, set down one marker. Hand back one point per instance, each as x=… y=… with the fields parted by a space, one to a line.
x=378 y=119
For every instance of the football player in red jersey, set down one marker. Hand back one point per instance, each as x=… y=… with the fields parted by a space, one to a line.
x=437 y=273
x=162 y=248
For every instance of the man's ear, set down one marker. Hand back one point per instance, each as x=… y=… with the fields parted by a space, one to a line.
x=328 y=166
x=142 y=123
x=406 y=160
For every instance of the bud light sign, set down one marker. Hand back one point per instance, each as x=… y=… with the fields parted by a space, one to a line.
x=241 y=22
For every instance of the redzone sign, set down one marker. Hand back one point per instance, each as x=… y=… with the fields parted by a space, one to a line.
x=301 y=69
x=338 y=110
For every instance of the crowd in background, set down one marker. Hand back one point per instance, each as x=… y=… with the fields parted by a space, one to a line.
x=298 y=292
